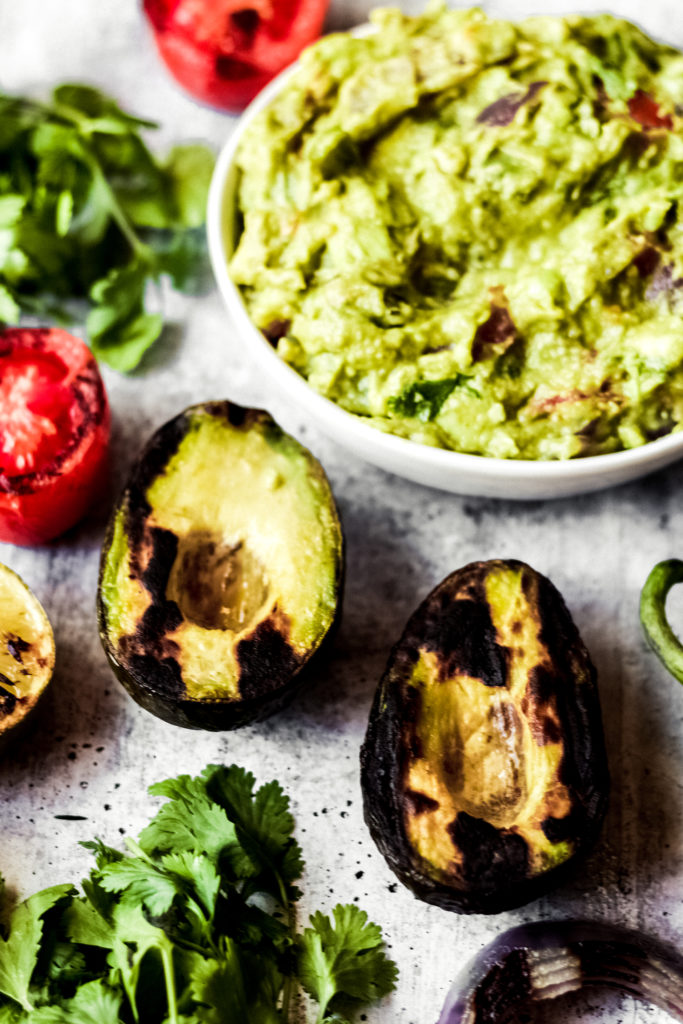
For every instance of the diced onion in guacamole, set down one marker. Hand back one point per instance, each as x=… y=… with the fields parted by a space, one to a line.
x=469 y=232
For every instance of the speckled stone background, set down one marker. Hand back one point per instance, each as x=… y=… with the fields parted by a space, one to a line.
x=86 y=769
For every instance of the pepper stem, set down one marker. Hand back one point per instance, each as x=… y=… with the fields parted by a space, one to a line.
x=658 y=632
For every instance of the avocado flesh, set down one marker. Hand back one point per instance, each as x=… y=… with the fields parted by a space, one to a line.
x=27 y=652
x=483 y=768
x=478 y=751
x=255 y=544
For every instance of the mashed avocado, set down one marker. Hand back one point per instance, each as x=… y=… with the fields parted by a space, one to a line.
x=470 y=232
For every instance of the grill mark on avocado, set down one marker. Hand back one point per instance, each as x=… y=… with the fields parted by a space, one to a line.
x=583 y=766
x=492 y=857
x=411 y=710
x=149 y=651
x=463 y=636
x=420 y=803
x=8 y=700
x=266 y=654
x=164 y=545
x=162 y=675
x=16 y=647
x=152 y=464
x=559 y=830
x=235 y=415
x=538 y=705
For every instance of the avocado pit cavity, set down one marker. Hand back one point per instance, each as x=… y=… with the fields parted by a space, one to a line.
x=217 y=585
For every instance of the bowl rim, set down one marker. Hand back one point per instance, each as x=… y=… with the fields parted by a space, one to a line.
x=390 y=449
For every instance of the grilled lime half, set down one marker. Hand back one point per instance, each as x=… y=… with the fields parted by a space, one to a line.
x=27 y=653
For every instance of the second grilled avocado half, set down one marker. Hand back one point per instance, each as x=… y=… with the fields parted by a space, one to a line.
x=484 y=771
x=222 y=571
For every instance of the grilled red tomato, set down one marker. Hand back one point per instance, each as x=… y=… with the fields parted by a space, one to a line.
x=224 y=51
x=54 y=433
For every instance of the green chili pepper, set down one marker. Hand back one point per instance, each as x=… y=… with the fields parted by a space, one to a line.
x=659 y=633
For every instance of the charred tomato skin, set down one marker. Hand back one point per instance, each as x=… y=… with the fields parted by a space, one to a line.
x=149 y=668
x=496 y=870
x=224 y=52
x=40 y=504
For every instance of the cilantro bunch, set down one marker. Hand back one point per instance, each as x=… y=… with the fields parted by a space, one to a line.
x=87 y=212
x=195 y=924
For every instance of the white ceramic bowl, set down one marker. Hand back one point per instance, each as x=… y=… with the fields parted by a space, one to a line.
x=436 y=467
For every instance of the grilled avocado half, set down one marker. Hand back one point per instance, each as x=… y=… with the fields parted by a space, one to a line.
x=484 y=771
x=222 y=570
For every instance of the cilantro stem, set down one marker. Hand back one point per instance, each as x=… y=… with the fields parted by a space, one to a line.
x=71 y=116
x=232 y=957
x=291 y=924
x=169 y=977
x=138 y=247
x=194 y=947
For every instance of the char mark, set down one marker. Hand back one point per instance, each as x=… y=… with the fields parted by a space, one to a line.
x=149 y=653
x=420 y=803
x=160 y=674
x=493 y=859
x=463 y=636
x=566 y=829
x=267 y=660
x=8 y=702
x=540 y=703
x=151 y=464
x=16 y=647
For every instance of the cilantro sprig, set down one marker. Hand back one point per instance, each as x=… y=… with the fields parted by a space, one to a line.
x=194 y=924
x=87 y=212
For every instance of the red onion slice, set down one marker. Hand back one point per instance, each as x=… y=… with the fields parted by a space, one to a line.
x=539 y=961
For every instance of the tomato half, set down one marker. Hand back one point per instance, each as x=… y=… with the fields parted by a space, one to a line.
x=225 y=51
x=54 y=433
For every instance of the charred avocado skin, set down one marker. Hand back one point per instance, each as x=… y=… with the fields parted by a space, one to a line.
x=222 y=569
x=483 y=770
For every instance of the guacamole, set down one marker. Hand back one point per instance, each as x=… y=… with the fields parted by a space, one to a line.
x=469 y=232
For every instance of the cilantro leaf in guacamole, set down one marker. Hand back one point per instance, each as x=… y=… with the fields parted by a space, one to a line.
x=518 y=185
